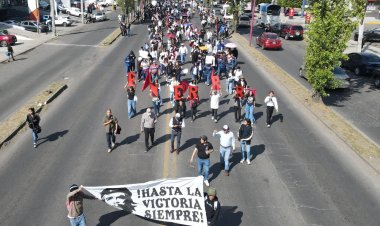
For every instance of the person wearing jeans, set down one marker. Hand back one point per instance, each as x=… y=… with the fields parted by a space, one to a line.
x=131 y=93
x=148 y=121
x=250 y=103
x=203 y=150
x=33 y=120
x=176 y=123
x=74 y=205
x=110 y=123
x=245 y=136
x=227 y=142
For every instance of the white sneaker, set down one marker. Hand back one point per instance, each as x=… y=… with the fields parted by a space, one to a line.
x=248 y=162
x=34 y=145
x=215 y=120
x=109 y=150
x=268 y=125
x=212 y=118
x=113 y=145
x=242 y=161
x=207 y=183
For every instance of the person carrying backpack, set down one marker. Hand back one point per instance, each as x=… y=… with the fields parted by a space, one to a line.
x=33 y=120
x=212 y=206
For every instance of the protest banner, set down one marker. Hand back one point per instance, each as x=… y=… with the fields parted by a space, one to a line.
x=147 y=81
x=215 y=83
x=179 y=201
x=178 y=92
x=131 y=79
x=239 y=91
x=193 y=93
x=154 y=89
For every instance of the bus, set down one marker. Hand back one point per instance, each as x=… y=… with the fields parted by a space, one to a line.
x=269 y=14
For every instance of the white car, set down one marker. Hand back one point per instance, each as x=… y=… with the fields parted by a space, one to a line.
x=100 y=16
x=74 y=12
x=62 y=21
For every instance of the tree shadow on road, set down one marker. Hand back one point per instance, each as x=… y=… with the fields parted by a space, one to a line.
x=53 y=137
x=110 y=218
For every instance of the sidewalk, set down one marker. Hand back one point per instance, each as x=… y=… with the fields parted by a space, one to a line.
x=368 y=47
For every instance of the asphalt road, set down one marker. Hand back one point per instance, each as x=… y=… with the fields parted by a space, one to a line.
x=301 y=173
x=359 y=105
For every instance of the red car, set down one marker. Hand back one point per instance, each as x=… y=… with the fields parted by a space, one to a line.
x=7 y=39
x=292 y=31
x=268 y=40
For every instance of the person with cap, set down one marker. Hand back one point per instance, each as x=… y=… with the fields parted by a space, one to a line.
x=176 y=123
x=182 y=53
x=245 y=135
x=271 y=102
x=212 y=206
x=74 y=205
x=227 y=142
x=148 y=122
x=203 y=149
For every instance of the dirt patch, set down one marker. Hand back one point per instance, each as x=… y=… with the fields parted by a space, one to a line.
x=364 y=147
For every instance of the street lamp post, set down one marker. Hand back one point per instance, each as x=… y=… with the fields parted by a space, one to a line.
x=303 y=8
x=253 y=7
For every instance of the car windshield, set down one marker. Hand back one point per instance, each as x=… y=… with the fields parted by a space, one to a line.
x=371 y=58
x=339 y=70
x=244 y=18
x=272 y=36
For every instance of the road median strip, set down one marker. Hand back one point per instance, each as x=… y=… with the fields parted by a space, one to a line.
x=111 y=37
x=361 y=144
x=11 y=126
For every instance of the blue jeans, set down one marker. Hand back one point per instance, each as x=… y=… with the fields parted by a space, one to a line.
x=78 y=221
x=245 y=151
x=172 y=97
x=110 y=138
x=182 y=58
x=156 y=106
x=35 y=136
x=224 y=157
x=131 y=108
x=205 y=164
x=172 y=137
x=208 y=76
x=249 y=112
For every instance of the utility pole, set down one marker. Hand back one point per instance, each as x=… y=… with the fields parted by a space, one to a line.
x=303 y=8
x=253 y=7
x=360 y=32
x=52 y=15
x=82 y=10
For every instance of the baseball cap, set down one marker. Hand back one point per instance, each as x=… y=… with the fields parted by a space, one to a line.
x=73 y=187
x=225 y=127
x=211 y=191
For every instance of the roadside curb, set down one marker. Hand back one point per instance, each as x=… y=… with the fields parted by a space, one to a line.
x=364 y=147
x=4 y=141
x=112 y=37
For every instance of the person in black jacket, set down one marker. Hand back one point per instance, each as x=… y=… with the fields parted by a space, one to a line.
x=212 y=206
x=33 y=121
x=245 y=137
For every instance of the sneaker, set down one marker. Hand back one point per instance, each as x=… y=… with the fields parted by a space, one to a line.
x=113 y=145
x=215 y=120
x=207 y=183
x=109 y=150
x=212 y=117
x=248 y=162
x=34 y=145
x=242 y=161
x=226 y=173
x=268 y=126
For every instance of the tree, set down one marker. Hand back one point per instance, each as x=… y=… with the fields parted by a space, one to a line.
x=290 y=3
x=327 y=38
x=126 y=6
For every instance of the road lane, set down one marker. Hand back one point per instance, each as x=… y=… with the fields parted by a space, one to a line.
x=301 y=174
x=353 y=104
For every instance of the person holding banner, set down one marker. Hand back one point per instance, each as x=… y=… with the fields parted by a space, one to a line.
x=203 y=151
x=271 y=102
x=193 y=106
x=250 y=103
x=227 y=142
x=238 y=102
x=155 y=90
x=132 y=98
x=180 y=108
x=176 y=123
x=214 y=104
x=74 y=205
x=212 y=206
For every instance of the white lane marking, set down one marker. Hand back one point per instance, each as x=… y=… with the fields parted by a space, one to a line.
x=68 y=44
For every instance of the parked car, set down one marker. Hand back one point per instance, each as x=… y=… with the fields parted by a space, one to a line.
x=362 y=63
x=74 y=11
x=244 y=21
x=7 y=39
x=292 y=31
x=61 y=8
x=248 y=13
x=370 y=35
x=45 y=18
x=61 y=21
x=340 y=75
x=31 y=25
x=277 y=27
x=100 y=16
x=268 y=40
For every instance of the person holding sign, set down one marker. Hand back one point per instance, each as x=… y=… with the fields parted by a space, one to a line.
x=212 y=206
x=132 y=98
x=203 y=150
x=214 y=104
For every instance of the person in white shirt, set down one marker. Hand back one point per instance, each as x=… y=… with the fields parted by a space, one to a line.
x=176 y=123
x=214 y=104
x=227 y=143
x=238 y=73
x=173 y=82
x=271 y=102
x=182 y=53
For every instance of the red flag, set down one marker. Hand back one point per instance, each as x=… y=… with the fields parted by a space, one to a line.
x=185 y=86
x=131 y=79
x=147 y=81
x=178 y=92
x=253 y=91
x=215 y=83
x=239 y=91
x=193 y=93
x=154 y=89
